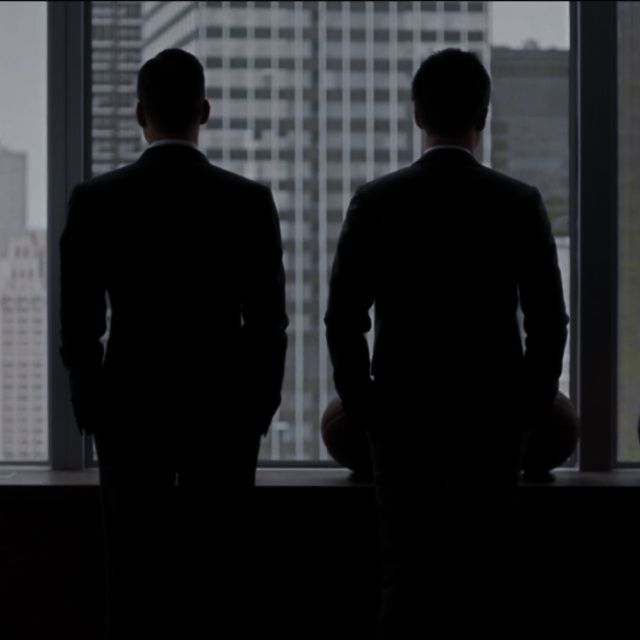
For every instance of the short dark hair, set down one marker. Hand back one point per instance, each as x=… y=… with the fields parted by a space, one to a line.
x=171 y=90
x=451 y=92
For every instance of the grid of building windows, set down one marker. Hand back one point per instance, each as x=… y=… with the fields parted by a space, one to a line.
x=115 y=60
x=23 y=313
x=312 y=99
x=23 y=349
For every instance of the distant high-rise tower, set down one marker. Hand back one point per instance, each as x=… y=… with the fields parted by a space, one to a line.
x=530 y=137
x=530 y=123
x=13 y=192
x=312 y=98
x=23 y=349
x=115 y=60
x=23 y=313
x=628 y=230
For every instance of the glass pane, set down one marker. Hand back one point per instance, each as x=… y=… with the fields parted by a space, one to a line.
x=530 y=113
x=24 y=433
x=628 y=231
x=313 y=99
x=115 y=60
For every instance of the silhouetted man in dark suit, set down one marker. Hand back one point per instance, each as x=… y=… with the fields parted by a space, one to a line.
x=447 y=250
x=190 y=258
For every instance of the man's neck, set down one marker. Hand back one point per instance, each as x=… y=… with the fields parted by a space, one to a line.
x=468 y=142
x=160 y=142
x=157 y=136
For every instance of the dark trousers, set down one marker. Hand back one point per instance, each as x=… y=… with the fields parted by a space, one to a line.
x=179 y=534
x=447 y=532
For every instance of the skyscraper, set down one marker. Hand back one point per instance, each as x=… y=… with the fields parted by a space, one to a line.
x=312 y=98
x=23 y=313
x=115 y=60
x=530 y=136
x=13 y=193
x=530 y=123
x=628 y=231
x=23 y=350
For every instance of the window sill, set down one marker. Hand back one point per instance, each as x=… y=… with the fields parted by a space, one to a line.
x=300 y=477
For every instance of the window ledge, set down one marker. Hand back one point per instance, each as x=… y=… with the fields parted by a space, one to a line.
x=300 y=477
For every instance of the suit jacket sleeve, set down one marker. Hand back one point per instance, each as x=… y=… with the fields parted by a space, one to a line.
x=543 y=307
x=83 y=312
x=351 y=295
x=264 y=317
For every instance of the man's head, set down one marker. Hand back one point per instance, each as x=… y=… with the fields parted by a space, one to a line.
x=450 y=92
x=171 y=96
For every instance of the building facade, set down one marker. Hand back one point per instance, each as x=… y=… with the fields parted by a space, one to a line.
x=628 y=231
x=23 y=349
x=13 y=193
x=530 y=137
x=313 y=99
x=23 y=314
x=115 y=61
x=530 y=123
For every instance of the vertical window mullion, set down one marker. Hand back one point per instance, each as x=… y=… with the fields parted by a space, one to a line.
x=67 y=110
x=597 y=192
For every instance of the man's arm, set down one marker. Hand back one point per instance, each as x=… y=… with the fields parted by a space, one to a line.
x=543 y=307
x=264 y=318
x=351 y=295
x=83 y=313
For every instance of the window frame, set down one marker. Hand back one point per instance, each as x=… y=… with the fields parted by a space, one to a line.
x=594 y=181
x=593 y=235
x=69 y=65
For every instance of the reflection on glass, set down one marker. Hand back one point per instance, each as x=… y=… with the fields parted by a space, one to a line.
x=23 y=283
x=313 y=99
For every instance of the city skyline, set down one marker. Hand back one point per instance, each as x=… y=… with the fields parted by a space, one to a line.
x=23 y=53
x=313 y=100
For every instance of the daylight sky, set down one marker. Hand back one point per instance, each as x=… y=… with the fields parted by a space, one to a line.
x=514 y=22
x=23 y=73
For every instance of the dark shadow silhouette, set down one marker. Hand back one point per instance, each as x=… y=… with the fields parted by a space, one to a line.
x=552 y=440
x=447 y=250
x=190 y=258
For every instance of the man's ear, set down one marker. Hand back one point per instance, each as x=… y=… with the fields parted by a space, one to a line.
x=482 y=120
x=141 y=116
x=418 y=120
x=206 y=111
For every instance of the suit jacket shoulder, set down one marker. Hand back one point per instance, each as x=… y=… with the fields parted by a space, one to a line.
x=128 y=177
x=459 y=188
x=435 y=176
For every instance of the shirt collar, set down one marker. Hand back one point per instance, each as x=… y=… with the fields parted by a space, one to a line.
x=167 y=141
x=446 y=146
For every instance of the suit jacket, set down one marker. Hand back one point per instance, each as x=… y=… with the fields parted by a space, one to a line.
x=189 y=257
x=447 y=250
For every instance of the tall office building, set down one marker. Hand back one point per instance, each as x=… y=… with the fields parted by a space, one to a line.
x=313 y=99
x=530 y=136
x=13 y=193
x=115 y=60
x=530 y=123
x=23 y=344
x=23 y=350
x=629 y=231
